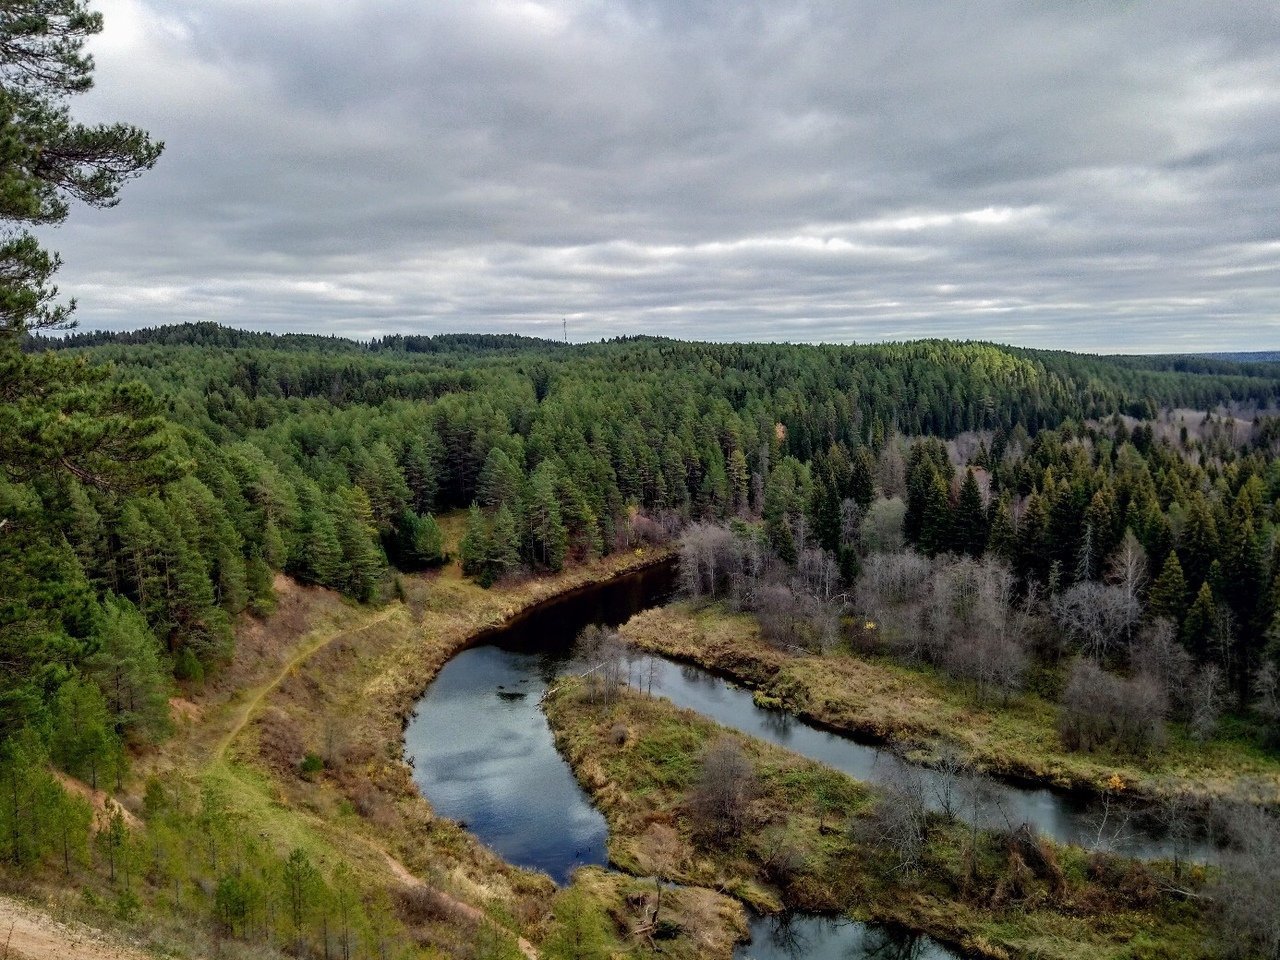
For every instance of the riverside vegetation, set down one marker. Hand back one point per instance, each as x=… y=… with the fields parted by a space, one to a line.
x=222 y=552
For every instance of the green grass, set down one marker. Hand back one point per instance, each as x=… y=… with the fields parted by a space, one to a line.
x=924 y=709
x=972 y=895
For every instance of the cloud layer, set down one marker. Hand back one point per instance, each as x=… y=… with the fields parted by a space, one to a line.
x=1096 y=175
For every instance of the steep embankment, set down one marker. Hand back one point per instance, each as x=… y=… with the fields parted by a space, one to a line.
x=27 y=933
x=328 y=680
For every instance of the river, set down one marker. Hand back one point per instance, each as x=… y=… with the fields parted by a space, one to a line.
x=484 y=755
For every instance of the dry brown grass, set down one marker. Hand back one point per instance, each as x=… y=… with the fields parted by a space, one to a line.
x=875 y=697
x=994 y=895
x=322 y=675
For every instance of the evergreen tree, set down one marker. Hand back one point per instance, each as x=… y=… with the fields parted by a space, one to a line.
x=83 y=741
x=1198 y=546
x=319 y=559
x=48 y=159
x=362 y=562
x=862 y=487
x=418 y=541
x=128 y=670
x=502 y=554
x=1168 y=596
x=500 y=481
x=935 y=522
x=1002 y=540
x=548 y=538
x=739 y=482
x=970 y=524
x=1199 y=625
x=384 y=485
x=474 y=547
x=260 y=583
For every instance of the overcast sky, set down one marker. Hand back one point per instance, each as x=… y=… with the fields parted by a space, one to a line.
x=1097 y=174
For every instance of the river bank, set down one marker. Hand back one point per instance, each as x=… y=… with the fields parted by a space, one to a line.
x=810 y=843
x=883 y=702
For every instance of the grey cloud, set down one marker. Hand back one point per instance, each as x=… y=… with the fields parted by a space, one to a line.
x=1094 y=175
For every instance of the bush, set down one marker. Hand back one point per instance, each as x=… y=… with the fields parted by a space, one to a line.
x=721 y=799
x=1101 y=709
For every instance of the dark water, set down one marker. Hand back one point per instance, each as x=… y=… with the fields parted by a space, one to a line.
x=809 y=937
x=484 y=755
x=1062 y=817
x=482 y=751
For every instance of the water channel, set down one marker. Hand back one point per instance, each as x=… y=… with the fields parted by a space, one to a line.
x=484 y=755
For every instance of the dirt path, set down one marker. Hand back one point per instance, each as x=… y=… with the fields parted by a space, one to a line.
x=29 y=934
x=257 y=694
x=244 y=714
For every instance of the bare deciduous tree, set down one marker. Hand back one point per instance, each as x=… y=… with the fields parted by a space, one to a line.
x=605 y=654
x=1100 y=708
x=881 y=528
x=721 y=799
x=899 y=823
x=1206 y=694
x=1098 y=616
x=1127 y=569
x=1247 y=888
x=1159 y=655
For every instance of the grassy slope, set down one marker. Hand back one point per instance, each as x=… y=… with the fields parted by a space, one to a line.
x=327 y=676
x=978 y=897
x=888 y=700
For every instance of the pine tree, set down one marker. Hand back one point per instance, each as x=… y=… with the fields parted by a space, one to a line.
x=418 y=462
x=320 y=550
x=49 y=159
x=502 y=554
x=260 y=583
x=739 y=480
x=548 y=538
x=385 y=487
x=500 y=481
x=83 y=741
x=362 y=562
x=128 y=670
x=474 y=548
x=418 y=542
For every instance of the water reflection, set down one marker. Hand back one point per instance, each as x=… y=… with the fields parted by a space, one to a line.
x=991 y=803
x=811 y=937
x=482 y=751
x=484 y=754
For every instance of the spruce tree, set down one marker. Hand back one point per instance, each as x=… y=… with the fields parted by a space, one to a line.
x=970 y=524
x=1198 y=627
x=1168 y=595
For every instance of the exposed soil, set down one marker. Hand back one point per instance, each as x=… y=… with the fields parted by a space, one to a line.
x=30 y=934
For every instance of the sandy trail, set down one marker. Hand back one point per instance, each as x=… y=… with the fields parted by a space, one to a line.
x=29 y=934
